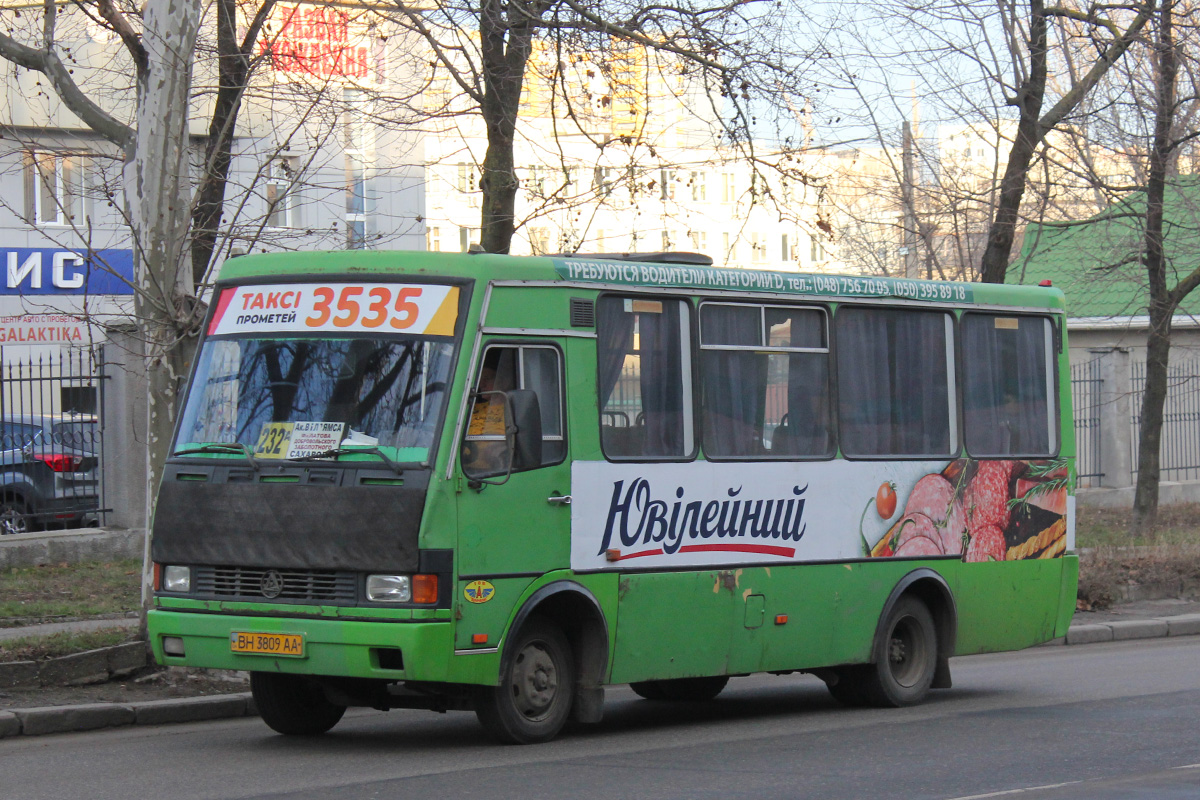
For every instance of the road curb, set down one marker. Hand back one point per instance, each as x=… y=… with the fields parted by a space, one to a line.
x=67 y=719
x=1126 y=629
x=93 y=716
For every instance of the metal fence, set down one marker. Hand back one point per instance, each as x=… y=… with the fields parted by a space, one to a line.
x=51 y=440
x=1179 y=458
x=1085 y=395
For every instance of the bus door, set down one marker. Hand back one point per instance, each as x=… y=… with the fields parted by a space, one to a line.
x=512 y=524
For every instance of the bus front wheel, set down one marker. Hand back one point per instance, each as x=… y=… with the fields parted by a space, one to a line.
x=907 y=659
x=537 y=687
x=292 y=704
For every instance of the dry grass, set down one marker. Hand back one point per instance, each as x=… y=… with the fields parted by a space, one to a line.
x=1100 y=527
x=1112 y=560
x=51 y=593
x=36 y=648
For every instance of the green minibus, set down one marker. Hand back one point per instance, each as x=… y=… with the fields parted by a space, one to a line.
x=495 y=483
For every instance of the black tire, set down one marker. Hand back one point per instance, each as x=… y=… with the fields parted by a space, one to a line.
x=14 y=517
x=649 y=690
x=846 y=685
x=693 y=690
x=537 y=687
x=908 y=658
x=293 y=704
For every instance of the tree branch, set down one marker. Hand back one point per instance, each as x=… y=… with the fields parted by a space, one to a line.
x=132 y=39
x=1067 y=103
x=47 y=62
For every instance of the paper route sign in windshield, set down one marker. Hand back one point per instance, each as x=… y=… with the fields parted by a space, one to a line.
x=337 y=308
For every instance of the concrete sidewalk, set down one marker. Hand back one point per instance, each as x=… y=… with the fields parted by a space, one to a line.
x=1143 y=620
x=76 y=626
x=70 y=546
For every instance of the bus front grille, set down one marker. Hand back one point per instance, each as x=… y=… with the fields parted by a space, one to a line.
x=294 y=585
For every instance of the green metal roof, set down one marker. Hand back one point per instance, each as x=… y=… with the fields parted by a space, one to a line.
x=1097 y=262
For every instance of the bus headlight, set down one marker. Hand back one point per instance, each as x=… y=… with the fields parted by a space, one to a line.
x=177 y=579
x=389 y=589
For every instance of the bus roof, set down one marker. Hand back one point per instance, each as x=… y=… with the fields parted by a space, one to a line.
x=616 y=271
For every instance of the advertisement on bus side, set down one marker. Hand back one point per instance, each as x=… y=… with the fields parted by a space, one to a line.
x=707 y=514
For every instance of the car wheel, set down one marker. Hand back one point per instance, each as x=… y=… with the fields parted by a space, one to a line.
x=904 y=673
x=293 y=704
x=845 y=684
x=537 y=687
x=14 y=517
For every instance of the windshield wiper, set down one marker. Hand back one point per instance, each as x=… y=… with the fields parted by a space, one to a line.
x=221 y=447
x=342 y=451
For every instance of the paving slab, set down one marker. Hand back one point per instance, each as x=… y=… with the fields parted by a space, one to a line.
x=1183 y=625
x=124 y=659
x=79 y=626
x=65 y=719
x=18 y=673
x=1138 y=629
x=1089 y=634
x=90 y=666
x=190 y=709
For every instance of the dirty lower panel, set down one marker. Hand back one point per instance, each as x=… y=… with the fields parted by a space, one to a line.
x=673 y=625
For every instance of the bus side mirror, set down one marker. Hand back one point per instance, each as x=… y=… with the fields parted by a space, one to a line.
x=525 y=424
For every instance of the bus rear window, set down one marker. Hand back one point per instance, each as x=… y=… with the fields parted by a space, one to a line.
x=1008 y=385
x=894 y=382
x=645 y=377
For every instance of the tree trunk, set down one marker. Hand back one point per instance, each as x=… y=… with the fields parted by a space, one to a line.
x=1003 y=229
x=1032 y=129
x=505 y=48
x=1162 y=300
x=157 y=186
x=233 y=73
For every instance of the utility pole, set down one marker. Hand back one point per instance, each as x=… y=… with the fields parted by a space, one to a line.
x=908 y=199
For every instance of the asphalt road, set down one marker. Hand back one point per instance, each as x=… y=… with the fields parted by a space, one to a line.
x=1104 y=721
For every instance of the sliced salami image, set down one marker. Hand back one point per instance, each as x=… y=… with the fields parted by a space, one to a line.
x=982 y=510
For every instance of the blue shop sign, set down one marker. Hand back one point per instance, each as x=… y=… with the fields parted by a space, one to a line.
x=30 y=270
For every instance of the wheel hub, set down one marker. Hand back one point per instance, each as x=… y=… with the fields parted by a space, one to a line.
x=897 y=651
x=535 y=681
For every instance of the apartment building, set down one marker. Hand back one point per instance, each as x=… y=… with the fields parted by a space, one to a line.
x=323 y=158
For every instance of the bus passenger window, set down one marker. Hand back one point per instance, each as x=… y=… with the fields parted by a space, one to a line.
x=1008 y=386
x=503 y=369
x=765 y=378
x=894 y=382
x=643 y=383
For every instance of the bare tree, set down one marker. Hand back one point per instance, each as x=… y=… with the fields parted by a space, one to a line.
x=1031 y=59
x=1171 y=132
x=1013 y=76
x=734 y=48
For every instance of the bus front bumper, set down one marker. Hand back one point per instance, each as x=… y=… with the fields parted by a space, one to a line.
x=413 y=651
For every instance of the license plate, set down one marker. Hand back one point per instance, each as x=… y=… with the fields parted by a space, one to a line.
x=267 y=644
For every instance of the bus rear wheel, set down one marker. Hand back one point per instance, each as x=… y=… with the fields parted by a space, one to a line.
x=681 y=689
x=904 y=672
x=537 y=688
x=293 y=704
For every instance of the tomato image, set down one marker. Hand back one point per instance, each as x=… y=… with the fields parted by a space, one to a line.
x=885 y=500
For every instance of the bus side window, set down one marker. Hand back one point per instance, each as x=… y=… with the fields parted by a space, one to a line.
x=765 y=377
x=503 y=369
x=1008 y=385
x=644 y=382
x=894 y=382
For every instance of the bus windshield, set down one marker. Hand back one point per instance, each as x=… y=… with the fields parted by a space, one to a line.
x=289 y=398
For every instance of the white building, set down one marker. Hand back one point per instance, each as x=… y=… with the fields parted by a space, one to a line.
x=630 y=160
x=320 y=161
